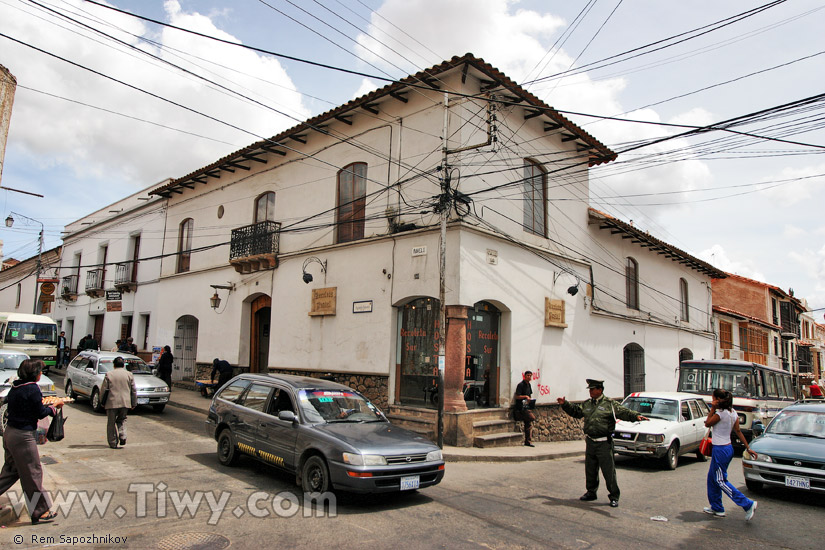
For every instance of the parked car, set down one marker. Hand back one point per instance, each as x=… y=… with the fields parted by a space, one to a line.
x=791 y=452
x=327 y=434
x=676 y=426
x=85 y=374
x=9 y=361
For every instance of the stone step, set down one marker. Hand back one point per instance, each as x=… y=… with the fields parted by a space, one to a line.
x=486 y=427
x=411 y=420
x=507 y=439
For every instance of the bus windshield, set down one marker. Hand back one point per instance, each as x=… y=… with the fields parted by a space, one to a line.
x=19 y=332
x=704 y=381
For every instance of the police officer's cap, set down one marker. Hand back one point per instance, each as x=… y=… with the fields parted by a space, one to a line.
x=591 y=384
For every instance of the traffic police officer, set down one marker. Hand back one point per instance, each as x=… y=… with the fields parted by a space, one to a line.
x=600 y=414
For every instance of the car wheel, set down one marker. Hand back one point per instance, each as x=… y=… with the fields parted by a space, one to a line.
x=70 y=390
x=227 y=450
x=671 y=458
x=315 y=475
x=752 y=485
x=158 y=408
x=4 y=417
x=96 y=401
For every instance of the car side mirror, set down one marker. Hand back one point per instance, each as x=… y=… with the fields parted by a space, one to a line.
x=287 y=416
x=90 y=369
x=758 y=429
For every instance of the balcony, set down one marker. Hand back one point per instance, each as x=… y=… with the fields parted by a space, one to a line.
x=68 y=288
x=94 y=282
x=255 y=247
x=126 y=276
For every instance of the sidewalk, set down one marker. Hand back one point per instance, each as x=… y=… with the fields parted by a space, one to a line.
x=192 y=400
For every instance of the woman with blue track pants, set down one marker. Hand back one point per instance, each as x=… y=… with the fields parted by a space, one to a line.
x=724 y=421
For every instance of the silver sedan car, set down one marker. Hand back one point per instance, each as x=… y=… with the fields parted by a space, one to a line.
x=9 y=361
x=85 y=374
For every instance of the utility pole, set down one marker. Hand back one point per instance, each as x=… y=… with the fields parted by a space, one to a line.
x=444 y=211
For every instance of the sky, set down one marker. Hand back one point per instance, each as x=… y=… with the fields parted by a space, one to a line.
x=101 y=115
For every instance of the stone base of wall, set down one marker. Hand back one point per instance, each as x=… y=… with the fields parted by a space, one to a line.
x=553 y=424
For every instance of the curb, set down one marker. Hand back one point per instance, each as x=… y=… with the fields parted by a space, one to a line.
x=187 y=407
x=7 y=515
x=493 y=458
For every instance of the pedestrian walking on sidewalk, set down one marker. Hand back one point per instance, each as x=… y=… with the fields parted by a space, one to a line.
x=521 y=408
x=600 y=414
x=25 y=408
x=724 y=421
x=165 y=366
x=119 y=395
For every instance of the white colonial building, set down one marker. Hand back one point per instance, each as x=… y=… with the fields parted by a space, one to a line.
x=317 y=251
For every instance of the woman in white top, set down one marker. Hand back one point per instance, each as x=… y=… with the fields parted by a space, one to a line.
x=724 y=421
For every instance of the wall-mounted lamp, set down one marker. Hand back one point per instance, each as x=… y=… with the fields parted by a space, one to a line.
x=312 y=259
x=572 y=290
x=215 y=300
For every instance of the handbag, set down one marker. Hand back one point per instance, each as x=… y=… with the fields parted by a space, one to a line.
x=706 y=446
x=56 y=432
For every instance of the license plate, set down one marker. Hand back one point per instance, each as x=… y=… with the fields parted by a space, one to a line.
x=626 y=436
x=409 y=482
x=798 y=482
x=143 y=400
x=619 y=448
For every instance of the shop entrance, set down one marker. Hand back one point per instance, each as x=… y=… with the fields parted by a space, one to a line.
x=481 y=371
x=417 y=365
x=259 y=335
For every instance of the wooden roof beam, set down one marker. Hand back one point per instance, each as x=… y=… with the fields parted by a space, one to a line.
x=300 y=138
x=464 y=73
x=487 y=85
x=399 y=96
x=269 y=149
x=214 y=173
x=346 y=119
x=569 y=137
x=226 y=168
x=371 y=107
x=237 y=165
x=255 y=158
x=551 y=126
x=532 y=113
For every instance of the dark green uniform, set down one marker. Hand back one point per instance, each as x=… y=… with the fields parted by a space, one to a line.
x=600 y=416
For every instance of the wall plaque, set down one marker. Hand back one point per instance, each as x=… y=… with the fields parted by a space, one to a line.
x=114 y=306
x=323 y=301
x=554 y=313
x=364 y=306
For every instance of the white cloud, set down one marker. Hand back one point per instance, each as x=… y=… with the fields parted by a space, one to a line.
x=808 y=184
x=718 y=257
x=366 y=87
x=94 y=144
x=697 y=116
x=793 y=232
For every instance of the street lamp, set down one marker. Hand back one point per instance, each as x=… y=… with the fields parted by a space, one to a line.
x=9 y=223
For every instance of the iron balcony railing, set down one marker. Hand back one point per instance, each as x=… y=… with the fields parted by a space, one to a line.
x=69 y=285
x=256 y=239
x=124 y=273
x=94 y=280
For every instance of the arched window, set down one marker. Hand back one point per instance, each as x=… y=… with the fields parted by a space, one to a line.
x=632 y=280
x=535 y=198
x=683 y=300
x=352 y=199
x=185 y=244
x=19 y=292
x=685 y=355
x=265 y=208
x=634 y=368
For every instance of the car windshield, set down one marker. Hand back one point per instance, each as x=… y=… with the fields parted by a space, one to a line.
x=337 y=406
x=653 y=407
x=133 y=365
x=802 y=423
x=12 y=361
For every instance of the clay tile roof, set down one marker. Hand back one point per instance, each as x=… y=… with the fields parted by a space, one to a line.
x=599 y=153
x=645 y=240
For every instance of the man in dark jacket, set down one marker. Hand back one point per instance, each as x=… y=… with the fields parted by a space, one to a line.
x=165 y=366
x=522 y=397
x=600 y=414
x=224 y=369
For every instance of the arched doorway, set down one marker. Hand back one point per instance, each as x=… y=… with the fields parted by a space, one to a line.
x=685 y=355
x=481 y=371
x=634 y=368
x=186 y=347
x=417 y=367
x=261 y=312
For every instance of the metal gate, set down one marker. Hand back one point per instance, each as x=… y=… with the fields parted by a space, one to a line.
x=186 y=348
x=634 y=368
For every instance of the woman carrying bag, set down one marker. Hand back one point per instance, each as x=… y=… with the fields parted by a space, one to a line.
x=22 y=458
x=724 y=420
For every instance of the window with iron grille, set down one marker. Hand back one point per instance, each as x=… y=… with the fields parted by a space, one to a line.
x=352 y=200
x=535 y=198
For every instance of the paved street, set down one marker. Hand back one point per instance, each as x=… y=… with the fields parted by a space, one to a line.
x=479 y=505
